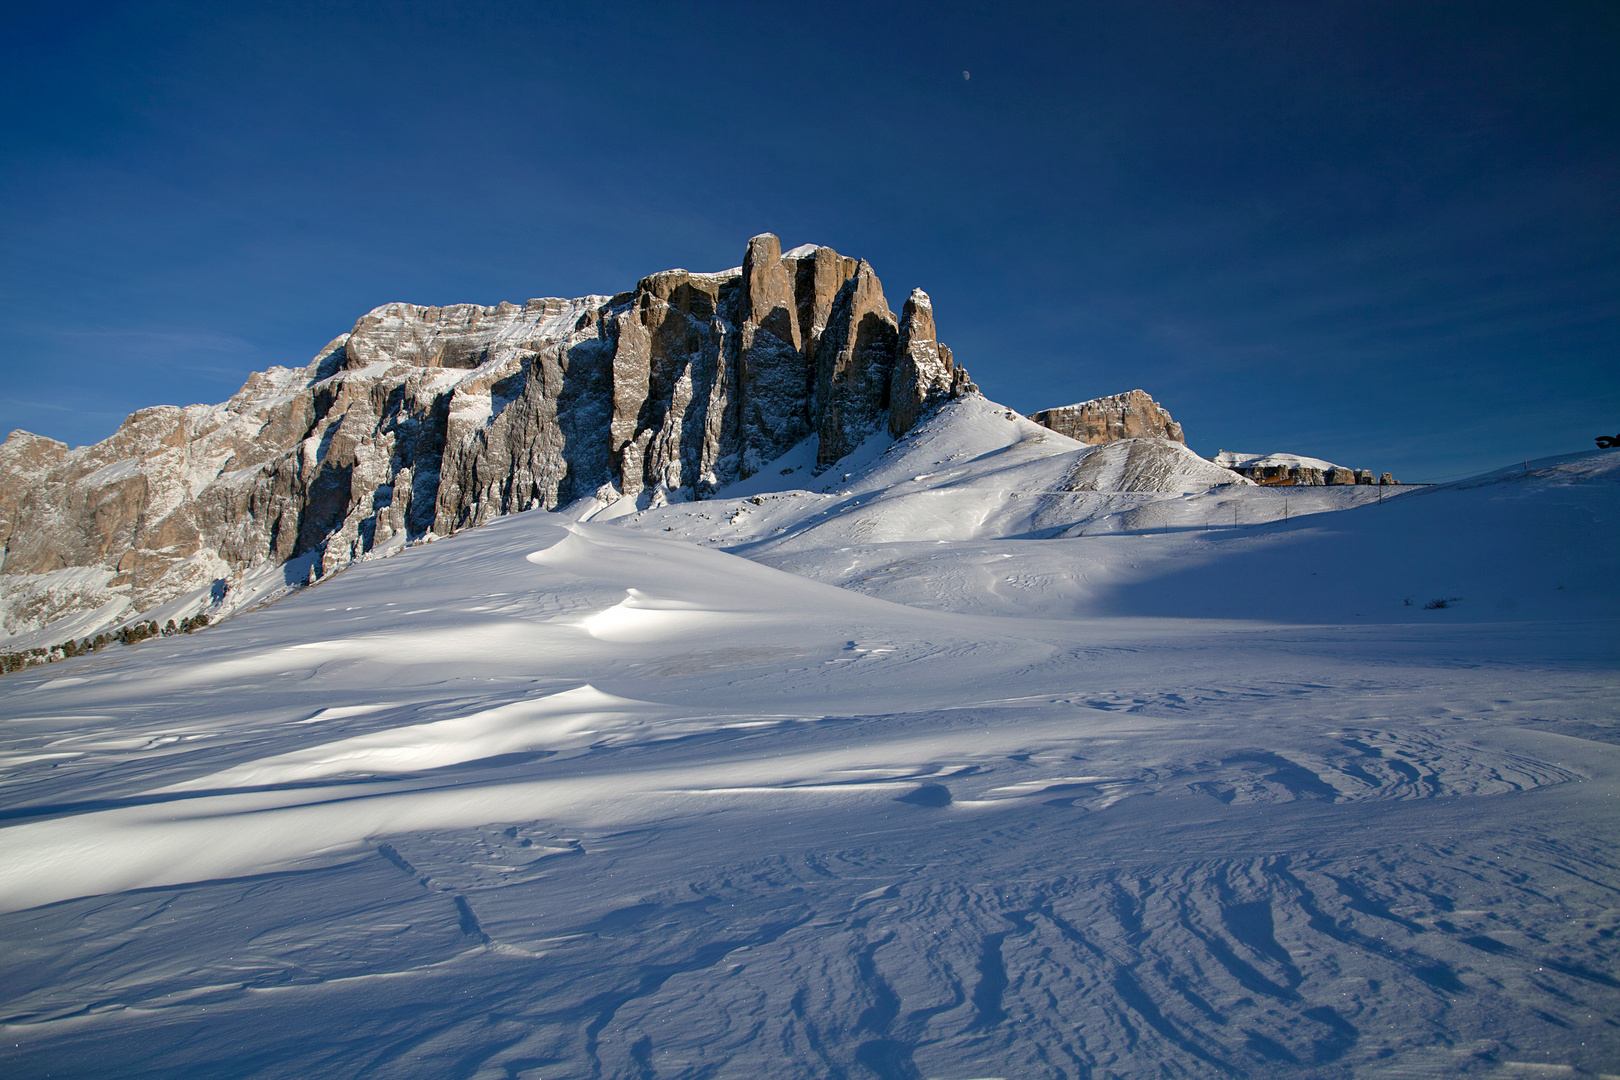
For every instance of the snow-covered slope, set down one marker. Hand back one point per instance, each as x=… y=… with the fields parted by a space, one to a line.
x=585 y=799
x=973 y=470
x=1231 y=459
x=963 y=513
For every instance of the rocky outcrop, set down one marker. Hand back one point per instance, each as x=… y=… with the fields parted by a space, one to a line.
x=25 y=461
x=1132 y=415
x=425 y=420
x=924 y=370
x=1293 y=470
x=854 y=365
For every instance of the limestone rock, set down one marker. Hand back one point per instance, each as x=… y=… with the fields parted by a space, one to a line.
x=784 y=306
x=854 y=365
x=1132 y=415
x=25 y=460
x=923 y=368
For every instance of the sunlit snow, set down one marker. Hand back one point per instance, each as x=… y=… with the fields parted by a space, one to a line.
x=979 y=754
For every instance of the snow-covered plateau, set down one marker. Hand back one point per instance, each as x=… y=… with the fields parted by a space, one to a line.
x=979 y=753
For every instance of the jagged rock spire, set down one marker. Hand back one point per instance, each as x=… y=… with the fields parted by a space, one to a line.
x=922 y=368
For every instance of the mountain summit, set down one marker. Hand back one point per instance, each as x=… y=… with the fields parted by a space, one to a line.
x=425 y=420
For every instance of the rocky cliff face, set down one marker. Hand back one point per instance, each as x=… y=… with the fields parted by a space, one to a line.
x=431 y=419
x=1294 y=470
x=1132 y=415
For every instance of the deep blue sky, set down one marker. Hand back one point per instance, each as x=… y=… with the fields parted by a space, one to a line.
x=1384 y=234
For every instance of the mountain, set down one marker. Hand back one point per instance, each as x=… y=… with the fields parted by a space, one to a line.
x=845 y=724
x=422 y=421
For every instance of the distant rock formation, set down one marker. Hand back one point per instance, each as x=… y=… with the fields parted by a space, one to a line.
x=427 y=420
x=1294 y=470
x=1132 y=415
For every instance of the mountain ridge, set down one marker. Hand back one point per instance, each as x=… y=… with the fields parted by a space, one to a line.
x=424 y=420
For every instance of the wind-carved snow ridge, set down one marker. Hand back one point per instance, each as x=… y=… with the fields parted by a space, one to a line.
x=640 y=618
x=548 y=724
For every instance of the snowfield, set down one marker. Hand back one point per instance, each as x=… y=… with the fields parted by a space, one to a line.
x=981 y=754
